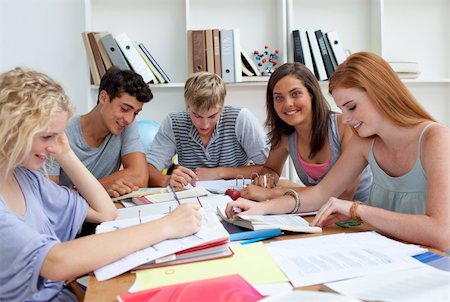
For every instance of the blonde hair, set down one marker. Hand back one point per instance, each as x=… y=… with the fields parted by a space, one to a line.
x=204 y=91
x=28 y=101
x=375 y=76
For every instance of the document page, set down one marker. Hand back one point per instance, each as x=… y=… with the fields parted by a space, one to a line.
x=328 y=258
x=211 y=230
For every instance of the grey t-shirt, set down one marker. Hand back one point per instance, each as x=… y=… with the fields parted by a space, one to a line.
x=238 y=139
x=103 y=160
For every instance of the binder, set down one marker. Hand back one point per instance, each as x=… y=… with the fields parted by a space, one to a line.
x=230 y=55
x=298 y=51
x=133 y=57
x=330 y=52
x=103 y=53
x=216 y=44
x=155 y=72
x=306 y=50
x=324 y=52
x=336 y=46
x=114 y=52
x=154 y=62
x=198 y=50
x=321 y=74
x=209 y=50
x=227 y=55
x=97 y=56
x=95 y=77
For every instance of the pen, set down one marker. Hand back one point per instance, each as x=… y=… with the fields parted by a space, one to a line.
x=172 y=190
x=198 y=199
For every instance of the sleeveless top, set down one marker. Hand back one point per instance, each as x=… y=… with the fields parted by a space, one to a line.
x=404 y=194
x=362 y=192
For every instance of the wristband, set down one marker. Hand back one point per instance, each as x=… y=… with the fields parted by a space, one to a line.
x=296 y=196
x=353 y=214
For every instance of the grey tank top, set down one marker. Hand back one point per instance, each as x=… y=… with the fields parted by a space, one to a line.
x=334 y=139
x=404 y=194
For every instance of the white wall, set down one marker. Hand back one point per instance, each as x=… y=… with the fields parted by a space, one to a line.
x=46 y=35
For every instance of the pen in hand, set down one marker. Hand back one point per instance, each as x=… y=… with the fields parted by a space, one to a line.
x=172 y=190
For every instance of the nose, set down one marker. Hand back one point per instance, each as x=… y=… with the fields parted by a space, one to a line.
x=129 y=117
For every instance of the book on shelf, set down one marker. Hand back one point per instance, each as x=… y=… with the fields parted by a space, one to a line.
x=216 y=44
x=198 y=51
x=297 y=44
x=209 y=47
x=106 y=60
x=307 y=56
x=321 y=73
x=135 y=60
x=230 y=55
x=95 y=76
x=229 y=288
x=115 y=54
x=158 y=76
x=249 y=63
x=330 y=52
x=335 y=42
x=285 y=222
x=211 y=240
x=97 y=55
x=324 y=52
x=154 y=62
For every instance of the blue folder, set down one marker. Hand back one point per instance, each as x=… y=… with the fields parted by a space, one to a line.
x=432 y=259
x=238 y=233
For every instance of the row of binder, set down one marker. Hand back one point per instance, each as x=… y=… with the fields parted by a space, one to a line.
x=103 y=51
x=320 y=52
x=220 y=52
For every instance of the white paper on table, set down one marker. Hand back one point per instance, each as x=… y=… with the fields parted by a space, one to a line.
x=321 y=259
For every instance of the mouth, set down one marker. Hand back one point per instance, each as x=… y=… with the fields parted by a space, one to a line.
x=290 y=113
x=357 y=126
x=41 y=157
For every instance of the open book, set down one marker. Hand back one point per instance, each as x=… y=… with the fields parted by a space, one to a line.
x=212 y=240
x=286 y=222
x=141 y=192
x=165 y=196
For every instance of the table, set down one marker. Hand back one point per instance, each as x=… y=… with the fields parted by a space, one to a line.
x=109 y=289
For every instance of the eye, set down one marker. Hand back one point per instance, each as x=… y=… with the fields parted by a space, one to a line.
x=352 y=107
x=124 y=109
x=278 y=98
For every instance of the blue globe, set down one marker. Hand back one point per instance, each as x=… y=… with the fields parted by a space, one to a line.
x=147 y=131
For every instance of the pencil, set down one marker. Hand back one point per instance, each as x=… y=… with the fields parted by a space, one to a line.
x=172 y=190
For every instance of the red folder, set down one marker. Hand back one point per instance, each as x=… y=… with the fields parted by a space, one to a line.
x=224 y=289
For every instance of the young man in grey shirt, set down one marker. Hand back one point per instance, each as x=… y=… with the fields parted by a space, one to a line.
x=107 y=137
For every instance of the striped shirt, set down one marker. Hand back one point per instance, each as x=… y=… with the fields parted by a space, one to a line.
x=237 y=140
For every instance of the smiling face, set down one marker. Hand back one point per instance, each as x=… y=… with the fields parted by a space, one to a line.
x=119 y=112
x=205 y=122
x=358 y=110
x=46 y=143
x=292 y=101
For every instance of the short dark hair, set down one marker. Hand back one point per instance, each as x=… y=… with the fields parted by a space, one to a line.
x=117 y=81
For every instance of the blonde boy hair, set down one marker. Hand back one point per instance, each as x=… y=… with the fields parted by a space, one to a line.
x=28 y=102
x=204 y=91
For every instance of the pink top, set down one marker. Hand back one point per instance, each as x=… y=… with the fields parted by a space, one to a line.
x=313 y=170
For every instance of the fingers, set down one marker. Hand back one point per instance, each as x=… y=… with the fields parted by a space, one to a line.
x=182 y=176
x=120 y=188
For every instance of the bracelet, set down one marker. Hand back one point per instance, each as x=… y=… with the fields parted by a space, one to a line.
x=353 y=214
x=296 y=196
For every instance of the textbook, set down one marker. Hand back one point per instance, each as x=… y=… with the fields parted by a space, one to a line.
x=212 y=240
x=286 y=222
x=226 y=288
x=139 y=193
x=239 y=233
x=167 y=196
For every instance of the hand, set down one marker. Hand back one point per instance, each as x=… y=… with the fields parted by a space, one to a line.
x=207 y=173
x=183 y=221
x=181 y=177
x=264 y=181
x=119 y=187
x=62 y=146
x=248 y=207
x=255 y=192
x=333 y=211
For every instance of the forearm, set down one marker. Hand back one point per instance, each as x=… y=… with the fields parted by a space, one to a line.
x=88 y=186
x=156 y=178
x=420 y=229
x=74 y=258
x=138 y=176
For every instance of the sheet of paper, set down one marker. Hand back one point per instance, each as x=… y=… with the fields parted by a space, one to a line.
x=316 y=260
x=211 y=230
x=221 y=185
x=251 y=261
x=190 y=193
x=421 y=284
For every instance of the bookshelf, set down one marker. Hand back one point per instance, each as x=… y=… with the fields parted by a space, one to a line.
x=380 y=26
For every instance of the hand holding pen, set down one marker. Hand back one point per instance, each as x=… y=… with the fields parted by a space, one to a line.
x=183 y=176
